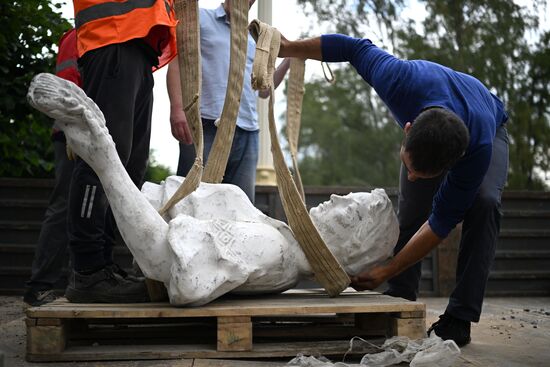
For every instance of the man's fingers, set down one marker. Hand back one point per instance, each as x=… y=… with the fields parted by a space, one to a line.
x=363 y=281
x=188 y=137
x=177 y=132
x=361 y=286
x=363 y=277
x=180 y=131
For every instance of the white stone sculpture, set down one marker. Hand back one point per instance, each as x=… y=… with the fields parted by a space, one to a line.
x=214 y=241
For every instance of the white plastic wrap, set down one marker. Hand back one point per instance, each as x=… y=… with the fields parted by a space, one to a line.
x=427 y=352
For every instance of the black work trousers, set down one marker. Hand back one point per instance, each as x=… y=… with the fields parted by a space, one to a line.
x=119 y=79
x=480 y=230
x=50 y=254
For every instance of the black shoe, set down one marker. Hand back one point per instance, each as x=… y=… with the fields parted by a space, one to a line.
x=37 y=298
x=449 y=327
x=115 y=268
x=395 y=293
x=104 y=286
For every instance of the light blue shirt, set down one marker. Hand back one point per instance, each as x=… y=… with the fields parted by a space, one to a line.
x=215 y=49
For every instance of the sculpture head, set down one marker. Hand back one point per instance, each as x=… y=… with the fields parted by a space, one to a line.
x=360 y=229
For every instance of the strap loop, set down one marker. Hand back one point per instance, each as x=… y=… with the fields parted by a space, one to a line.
x=332 y=78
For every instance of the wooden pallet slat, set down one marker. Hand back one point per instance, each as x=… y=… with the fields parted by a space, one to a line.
x=261 y=327
x=234 y=334
x=46 y=340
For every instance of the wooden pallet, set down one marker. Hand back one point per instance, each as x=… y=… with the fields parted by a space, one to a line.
x=280 y=325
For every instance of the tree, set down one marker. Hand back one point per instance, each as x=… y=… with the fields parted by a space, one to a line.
x=355 y=145
x=156 y=172
x=348 y=136
x=30 y=32
x=492 y=40
x=353 y=17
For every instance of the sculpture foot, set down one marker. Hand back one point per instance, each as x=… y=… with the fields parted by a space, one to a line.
x=78 y=116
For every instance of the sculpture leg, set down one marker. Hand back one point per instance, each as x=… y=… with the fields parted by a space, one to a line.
x=142 y=228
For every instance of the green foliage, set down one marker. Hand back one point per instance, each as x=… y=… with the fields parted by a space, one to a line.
x=492 y=40
x=348 y=136
x=156 y=172
x=352 y=16
x=30 y=32
x=354 y=145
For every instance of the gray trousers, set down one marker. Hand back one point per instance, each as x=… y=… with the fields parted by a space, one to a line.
x=480 y=230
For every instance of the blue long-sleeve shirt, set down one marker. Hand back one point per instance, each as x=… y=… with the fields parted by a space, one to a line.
x=409 y=86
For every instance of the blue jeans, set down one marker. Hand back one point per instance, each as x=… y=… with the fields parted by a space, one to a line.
x=479 y=233
x=242 y=162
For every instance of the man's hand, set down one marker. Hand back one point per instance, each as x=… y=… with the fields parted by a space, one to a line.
x=371 y=279
x=180 y=127
x=283 y=45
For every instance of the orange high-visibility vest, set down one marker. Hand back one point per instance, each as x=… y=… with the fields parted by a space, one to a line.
x=100 y=23
x=66 y=65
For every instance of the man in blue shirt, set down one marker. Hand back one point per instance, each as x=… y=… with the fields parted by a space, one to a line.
x=454 y=168
x=215 y=38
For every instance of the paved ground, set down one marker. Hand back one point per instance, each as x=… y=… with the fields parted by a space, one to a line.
x=512 y=332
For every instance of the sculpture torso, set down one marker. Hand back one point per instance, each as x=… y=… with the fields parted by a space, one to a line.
x=222 y=243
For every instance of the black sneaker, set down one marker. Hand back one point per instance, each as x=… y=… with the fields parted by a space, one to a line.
x=104 y=286
x=37 y=298
x=449 y=327
x=115 y=268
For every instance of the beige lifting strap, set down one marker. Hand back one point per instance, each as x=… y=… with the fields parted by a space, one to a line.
x=188 y=40
x=219 y=154
x=189 y=57
x=295 y=96
x=328 y=272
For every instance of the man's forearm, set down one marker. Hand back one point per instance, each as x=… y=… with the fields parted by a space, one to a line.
x=309 y=48
x=420 y=245
x=173 y=84
x=280 y=72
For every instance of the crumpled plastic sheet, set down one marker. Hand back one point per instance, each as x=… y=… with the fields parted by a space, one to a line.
x=427 y=352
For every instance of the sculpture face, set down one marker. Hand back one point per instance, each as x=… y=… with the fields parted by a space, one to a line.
x=359 y=228
x=341 y=211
